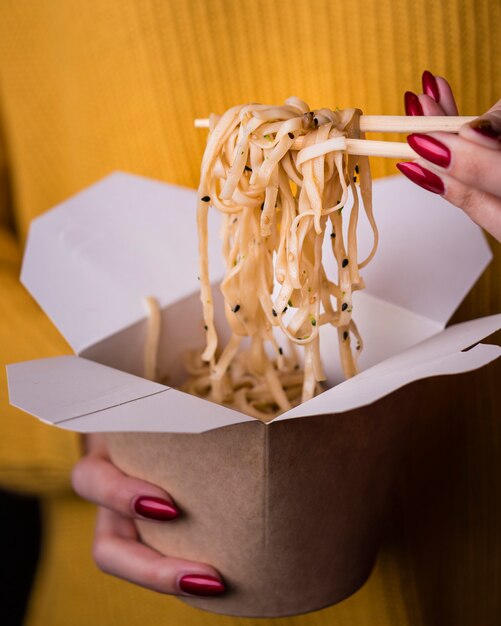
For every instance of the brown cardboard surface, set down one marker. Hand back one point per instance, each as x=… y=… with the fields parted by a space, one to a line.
x=290 y=513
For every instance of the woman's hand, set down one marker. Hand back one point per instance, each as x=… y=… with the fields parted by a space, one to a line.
x=466 y=168
x=117 y=548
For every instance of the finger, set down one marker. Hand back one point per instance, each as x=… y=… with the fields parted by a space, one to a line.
x=429 y=106
x=485 y=130
x=483 y=208
x=96 y=479
x=117 y=552
x=469 y=163
x=446 y=97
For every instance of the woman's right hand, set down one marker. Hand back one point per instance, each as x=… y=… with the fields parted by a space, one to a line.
x=117 y=548
x=464 y=168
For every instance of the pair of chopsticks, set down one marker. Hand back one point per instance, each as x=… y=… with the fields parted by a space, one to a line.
x=386 y=124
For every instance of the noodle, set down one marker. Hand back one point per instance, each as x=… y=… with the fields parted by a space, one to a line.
x=276 y=203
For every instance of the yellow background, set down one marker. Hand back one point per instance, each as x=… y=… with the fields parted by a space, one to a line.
x=90 y=87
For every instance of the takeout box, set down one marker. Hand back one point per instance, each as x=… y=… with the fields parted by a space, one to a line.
x=289 y=512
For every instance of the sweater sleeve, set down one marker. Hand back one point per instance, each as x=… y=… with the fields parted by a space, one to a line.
x=34 y=458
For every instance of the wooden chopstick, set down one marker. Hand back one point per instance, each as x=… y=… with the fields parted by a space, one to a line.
x=365 y=147
x=399 y=123
x=384 y=124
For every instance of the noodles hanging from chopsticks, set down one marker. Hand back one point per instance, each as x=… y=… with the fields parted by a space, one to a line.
x=277 y=204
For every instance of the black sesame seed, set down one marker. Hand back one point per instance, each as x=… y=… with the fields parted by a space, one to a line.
x=291 y=135
x=236 y=308
x=206 y=327
x=345 y=262
x=344 y=306
x=354 y=179
x=206 y=199
x=280 y=351
x=333 y=235
x=247 y=168
x=356 y=169
x=285 y=309
x=262 y=206
x=274 y=312
x=345 y=335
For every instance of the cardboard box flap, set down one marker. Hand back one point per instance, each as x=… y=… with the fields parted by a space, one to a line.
x=80 y=395
x=92 y=260
x=66 y=387
x=127 y=237
x=445 y=353
x=429 y=256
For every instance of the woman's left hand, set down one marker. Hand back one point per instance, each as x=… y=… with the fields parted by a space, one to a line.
x=464 y=169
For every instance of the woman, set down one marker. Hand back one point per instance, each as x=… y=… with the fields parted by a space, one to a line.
x=92 y=87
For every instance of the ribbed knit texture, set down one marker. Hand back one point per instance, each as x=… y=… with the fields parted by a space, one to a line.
x=90 y=87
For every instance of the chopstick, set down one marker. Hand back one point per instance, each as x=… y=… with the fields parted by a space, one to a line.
x=384 y=124
x=399 y=123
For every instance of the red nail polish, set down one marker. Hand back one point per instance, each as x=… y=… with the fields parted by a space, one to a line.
x=412 y=104
x=422 y=177
x=430 y=86
x=155 y=508
x=485 y=128
x=201 y=585
x=430 y=149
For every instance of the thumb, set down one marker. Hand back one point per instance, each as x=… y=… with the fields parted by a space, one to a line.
x=486 y=129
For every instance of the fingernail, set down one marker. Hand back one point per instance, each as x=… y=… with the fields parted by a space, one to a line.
x=430 y=86
x=422 y=177
x=155 y=508
x=412 y=104
x=486 y=129
x=430 y=149
x=201 y=585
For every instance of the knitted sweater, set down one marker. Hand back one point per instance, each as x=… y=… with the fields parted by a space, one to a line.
x=91 y=87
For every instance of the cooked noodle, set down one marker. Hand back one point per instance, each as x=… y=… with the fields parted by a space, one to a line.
x=277 y=202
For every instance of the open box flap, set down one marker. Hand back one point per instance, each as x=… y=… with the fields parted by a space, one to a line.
x=429 y=256
x=80 y=395
x=84 y=396
x=92 y=260
x=441 y=354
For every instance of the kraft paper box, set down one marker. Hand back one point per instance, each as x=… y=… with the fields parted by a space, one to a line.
x=289 y=512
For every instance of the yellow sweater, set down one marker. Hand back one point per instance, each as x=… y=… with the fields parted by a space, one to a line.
x=90 y=87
